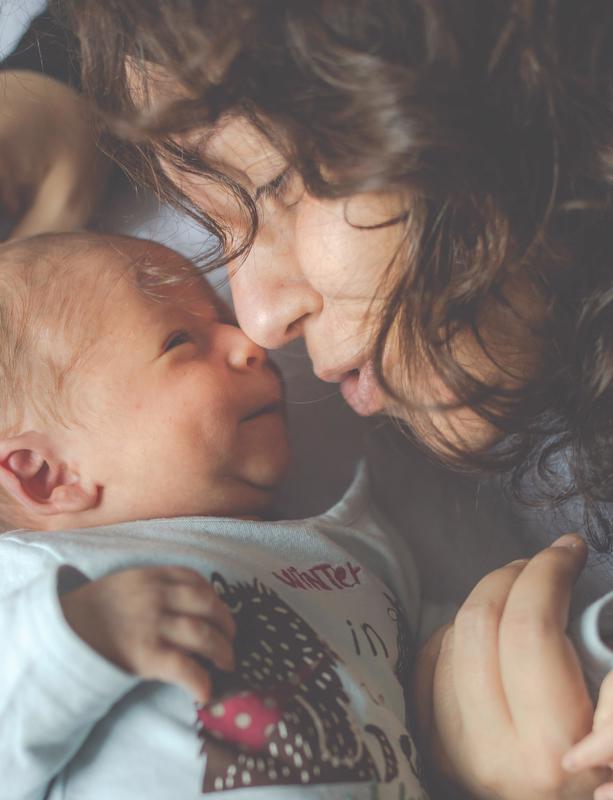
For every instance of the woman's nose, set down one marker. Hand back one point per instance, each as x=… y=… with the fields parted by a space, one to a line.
x=270 y=302
x=242 y=353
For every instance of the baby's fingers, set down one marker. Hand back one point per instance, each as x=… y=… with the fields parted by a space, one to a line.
x=175 y=666
x=198 y=636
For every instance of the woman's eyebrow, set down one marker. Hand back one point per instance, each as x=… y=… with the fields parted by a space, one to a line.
x=201 y=148
x=198 y=164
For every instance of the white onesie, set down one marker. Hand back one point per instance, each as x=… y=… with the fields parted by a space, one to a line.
x=327 y=612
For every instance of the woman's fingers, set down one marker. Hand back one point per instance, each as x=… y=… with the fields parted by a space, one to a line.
x=468 y=709
x=595 y=750
x=604 y=792
x=540 y=671
x=424 y=672
x=517 y=698
x=603 y=716
x=476 y=662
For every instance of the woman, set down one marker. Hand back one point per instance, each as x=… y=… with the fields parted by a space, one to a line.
x=421 y=190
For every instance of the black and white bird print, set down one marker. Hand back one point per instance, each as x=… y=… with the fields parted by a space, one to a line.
x=283 y=716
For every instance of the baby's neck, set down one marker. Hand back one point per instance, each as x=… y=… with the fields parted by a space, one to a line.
x=74 y=522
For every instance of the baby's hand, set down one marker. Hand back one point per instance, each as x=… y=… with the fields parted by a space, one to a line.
x=152 y=620
x=596 y=749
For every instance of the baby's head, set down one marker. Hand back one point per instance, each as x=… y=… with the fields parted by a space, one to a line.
x=127 y=392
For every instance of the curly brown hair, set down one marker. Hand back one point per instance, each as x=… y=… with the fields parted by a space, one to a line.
x=493 y=116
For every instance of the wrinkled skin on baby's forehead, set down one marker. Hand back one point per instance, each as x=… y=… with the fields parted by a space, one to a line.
x=89 y=267
x=146 y=265
x=66 y=292
x=55 y=259
x=44 y=280
x=157 y=273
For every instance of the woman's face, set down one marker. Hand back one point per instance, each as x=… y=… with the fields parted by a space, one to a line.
x=317 y=271
x=313 y=271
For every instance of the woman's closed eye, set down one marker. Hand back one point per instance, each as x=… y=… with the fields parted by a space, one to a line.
x=176 y=339
x=278 y=188
x=273 y=188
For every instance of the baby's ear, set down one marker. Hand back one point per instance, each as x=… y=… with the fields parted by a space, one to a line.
x=34 y=475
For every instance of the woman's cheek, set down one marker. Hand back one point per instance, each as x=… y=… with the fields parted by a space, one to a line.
x=427 y=404
x=339 y=260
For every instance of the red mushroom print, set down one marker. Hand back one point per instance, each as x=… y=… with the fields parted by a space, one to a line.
x=246 y=719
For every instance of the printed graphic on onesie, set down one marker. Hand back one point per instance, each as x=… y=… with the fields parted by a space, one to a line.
x=284 y=716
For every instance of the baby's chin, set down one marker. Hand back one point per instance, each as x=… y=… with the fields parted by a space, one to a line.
x=238 y=499
x=263 y=470
x=246 y=501
x=252 y=491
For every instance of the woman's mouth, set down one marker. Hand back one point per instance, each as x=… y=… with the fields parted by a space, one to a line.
x=362 y=391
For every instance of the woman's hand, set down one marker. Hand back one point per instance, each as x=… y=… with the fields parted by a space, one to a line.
x=596 y=749
x=500 y=693
x=51 y=171
x=152 y=620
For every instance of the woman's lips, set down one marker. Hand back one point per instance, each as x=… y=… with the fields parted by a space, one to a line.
x=362 y=391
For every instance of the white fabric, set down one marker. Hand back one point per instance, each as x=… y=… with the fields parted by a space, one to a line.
x=15 y=16
x=592 y=635
x=71 y=719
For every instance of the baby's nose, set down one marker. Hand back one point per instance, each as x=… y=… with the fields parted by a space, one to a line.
x=243 y=352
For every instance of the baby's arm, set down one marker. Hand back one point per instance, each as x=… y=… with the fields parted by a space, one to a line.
x=57 y=680
x=53 y=687
x=150 y=621
x=500 y=693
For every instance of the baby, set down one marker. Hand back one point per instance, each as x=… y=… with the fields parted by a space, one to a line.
x=142 y=438
x=129 y=394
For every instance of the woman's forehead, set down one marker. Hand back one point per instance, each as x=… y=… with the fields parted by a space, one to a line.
x=233 y=144
x=236 y=147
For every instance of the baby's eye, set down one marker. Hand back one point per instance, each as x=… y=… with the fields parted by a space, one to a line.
x=176 y=339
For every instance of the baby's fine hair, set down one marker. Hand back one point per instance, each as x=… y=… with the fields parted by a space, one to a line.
x=43 y=326
x=43 y=330
x=53 y=297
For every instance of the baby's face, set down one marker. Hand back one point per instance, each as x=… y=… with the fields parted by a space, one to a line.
x=182 y=414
